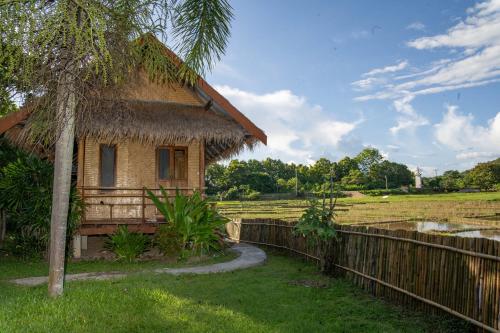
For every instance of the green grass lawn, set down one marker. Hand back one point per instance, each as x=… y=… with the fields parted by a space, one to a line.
x=260 y=299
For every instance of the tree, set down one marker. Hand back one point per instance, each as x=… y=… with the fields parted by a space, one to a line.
x=75 y=48
x=6 y=87
x=215 y=180
x=451 y=180
x=355 y=177
x=396 y=175
x=320 y=171
x=367 y=158
x=345 y=165
x=485 y=175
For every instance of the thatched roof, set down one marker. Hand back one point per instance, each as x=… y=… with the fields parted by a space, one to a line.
x=154 y=122
x=157 y=122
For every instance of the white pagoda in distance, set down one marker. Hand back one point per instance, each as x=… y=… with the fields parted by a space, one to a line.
x=418 y=178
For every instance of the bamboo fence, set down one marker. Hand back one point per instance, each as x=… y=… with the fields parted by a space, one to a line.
x=432 y=273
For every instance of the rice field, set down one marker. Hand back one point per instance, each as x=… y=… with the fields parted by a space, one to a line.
x=481 y=209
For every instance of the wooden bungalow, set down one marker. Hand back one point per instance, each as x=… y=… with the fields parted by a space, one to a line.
x=155 y=134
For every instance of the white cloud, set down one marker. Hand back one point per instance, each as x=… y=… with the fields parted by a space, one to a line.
x=476 y=40
x=458 y=131
x=409 y=119
x=388 y=69
x=418 y=26
x=479 y=29
x=295 y=128
x=367 y=83
x=427 y=170
x=474 y=155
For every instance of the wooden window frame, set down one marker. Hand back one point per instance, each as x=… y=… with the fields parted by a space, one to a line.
x=171 y=163
x=100 y=164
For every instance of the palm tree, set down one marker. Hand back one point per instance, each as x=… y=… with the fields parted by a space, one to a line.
x=62 y=50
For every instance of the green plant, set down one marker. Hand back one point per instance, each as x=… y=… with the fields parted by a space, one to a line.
x=191 y=220
x=316 y=225
x=168 y=240
x=127 y=245
x=252 y=195
x=26 y=198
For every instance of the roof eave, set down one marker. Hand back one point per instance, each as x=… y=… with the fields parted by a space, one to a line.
x=207 y=92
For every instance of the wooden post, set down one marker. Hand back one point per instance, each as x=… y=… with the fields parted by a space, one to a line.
x=143 y=220
x=111 y=213
x=84 y=242
x=77 y=246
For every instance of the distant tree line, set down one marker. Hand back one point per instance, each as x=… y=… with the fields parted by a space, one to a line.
x=484 y=176
x=368 y=170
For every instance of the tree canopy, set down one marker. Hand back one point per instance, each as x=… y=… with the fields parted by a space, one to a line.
x=273 y=176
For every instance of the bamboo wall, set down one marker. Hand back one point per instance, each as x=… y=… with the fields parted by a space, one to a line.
x=432 y=273
x=135 y=168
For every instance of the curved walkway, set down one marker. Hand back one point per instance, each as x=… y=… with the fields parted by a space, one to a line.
x=250 y=256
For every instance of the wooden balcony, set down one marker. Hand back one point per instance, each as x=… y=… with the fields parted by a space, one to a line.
x=106 y=208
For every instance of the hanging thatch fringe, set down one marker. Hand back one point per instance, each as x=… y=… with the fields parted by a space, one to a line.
x=158 y=123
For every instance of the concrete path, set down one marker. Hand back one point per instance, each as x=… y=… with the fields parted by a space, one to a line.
x=250 y=256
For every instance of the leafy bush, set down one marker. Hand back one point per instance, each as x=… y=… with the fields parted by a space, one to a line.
x=168 y=240
x=232 y=194
x=252 y=195
x=127 y=245
x=242 y=192
x=316 y=225
x=395 y=191
x=191 y=221
x=26 y=198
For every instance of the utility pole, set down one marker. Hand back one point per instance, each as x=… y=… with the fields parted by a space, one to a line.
x=386 y=187
x=331 y=189
x=296 y=183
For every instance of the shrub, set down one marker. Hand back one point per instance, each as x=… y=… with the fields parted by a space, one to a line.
x=127 y=245
x=242 y=192
x=252 y=195
x=192 y=221
x=26 y=198
x=168 y=240
x=380 y=192
x=316 y=225
x=233 y=193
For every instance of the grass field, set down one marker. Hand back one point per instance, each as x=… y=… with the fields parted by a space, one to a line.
x=467 y=208
x=285 y=295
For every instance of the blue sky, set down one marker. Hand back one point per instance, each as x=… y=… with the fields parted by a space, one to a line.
x=419 y=80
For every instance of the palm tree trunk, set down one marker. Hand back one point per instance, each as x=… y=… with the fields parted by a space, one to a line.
x=66 y=105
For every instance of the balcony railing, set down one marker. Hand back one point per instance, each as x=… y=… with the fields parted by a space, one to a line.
x=108 y=207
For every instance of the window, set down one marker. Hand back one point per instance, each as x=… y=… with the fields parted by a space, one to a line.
x=180 y=164
x=163 y=163
x=108 y=165
x=172 y=163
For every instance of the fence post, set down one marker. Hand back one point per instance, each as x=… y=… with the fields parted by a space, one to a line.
x=143 y=220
